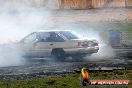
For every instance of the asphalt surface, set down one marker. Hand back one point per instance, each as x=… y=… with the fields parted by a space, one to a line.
x=46 y=65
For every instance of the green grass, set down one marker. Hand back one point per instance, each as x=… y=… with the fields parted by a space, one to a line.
x=70 y=80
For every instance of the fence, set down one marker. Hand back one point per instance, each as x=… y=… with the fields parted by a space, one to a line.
x=85 y=4
x=68 y=4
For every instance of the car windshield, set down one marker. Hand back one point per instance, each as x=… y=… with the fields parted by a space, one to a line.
x=69 y=35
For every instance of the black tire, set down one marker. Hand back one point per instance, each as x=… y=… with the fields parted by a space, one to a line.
x=58 y=54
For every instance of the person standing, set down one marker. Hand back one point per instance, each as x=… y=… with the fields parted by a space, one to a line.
x=84 y=77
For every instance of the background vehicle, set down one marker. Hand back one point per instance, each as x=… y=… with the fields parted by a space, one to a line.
x=59 y=44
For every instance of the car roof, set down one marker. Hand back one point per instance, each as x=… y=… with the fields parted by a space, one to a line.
x=54 y=30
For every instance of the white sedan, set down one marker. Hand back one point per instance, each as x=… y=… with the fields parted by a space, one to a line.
x=59 y=44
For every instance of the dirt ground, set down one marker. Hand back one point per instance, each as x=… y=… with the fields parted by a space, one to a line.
x=94 y=15
x=62 y=16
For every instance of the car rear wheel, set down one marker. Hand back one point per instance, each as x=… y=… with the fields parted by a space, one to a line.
x=58 y=54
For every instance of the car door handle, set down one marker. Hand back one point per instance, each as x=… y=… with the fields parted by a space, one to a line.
x=51 y=44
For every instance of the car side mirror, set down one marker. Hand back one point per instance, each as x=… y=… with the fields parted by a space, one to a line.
x=35 y=42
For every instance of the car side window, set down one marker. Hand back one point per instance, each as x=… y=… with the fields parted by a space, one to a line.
x=49 y=37
x=30 y=38
x=42 y=36
x=54 y=38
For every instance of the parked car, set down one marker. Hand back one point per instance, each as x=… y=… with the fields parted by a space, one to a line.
x=59 y=44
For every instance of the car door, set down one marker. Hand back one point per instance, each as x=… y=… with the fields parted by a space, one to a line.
x=47 y=42
x=44 y=44
x=58 y=40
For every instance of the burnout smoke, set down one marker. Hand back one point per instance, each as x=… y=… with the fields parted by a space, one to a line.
x=16 y=21
x=105 y=50
x=10 y=57
x=19 y=18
